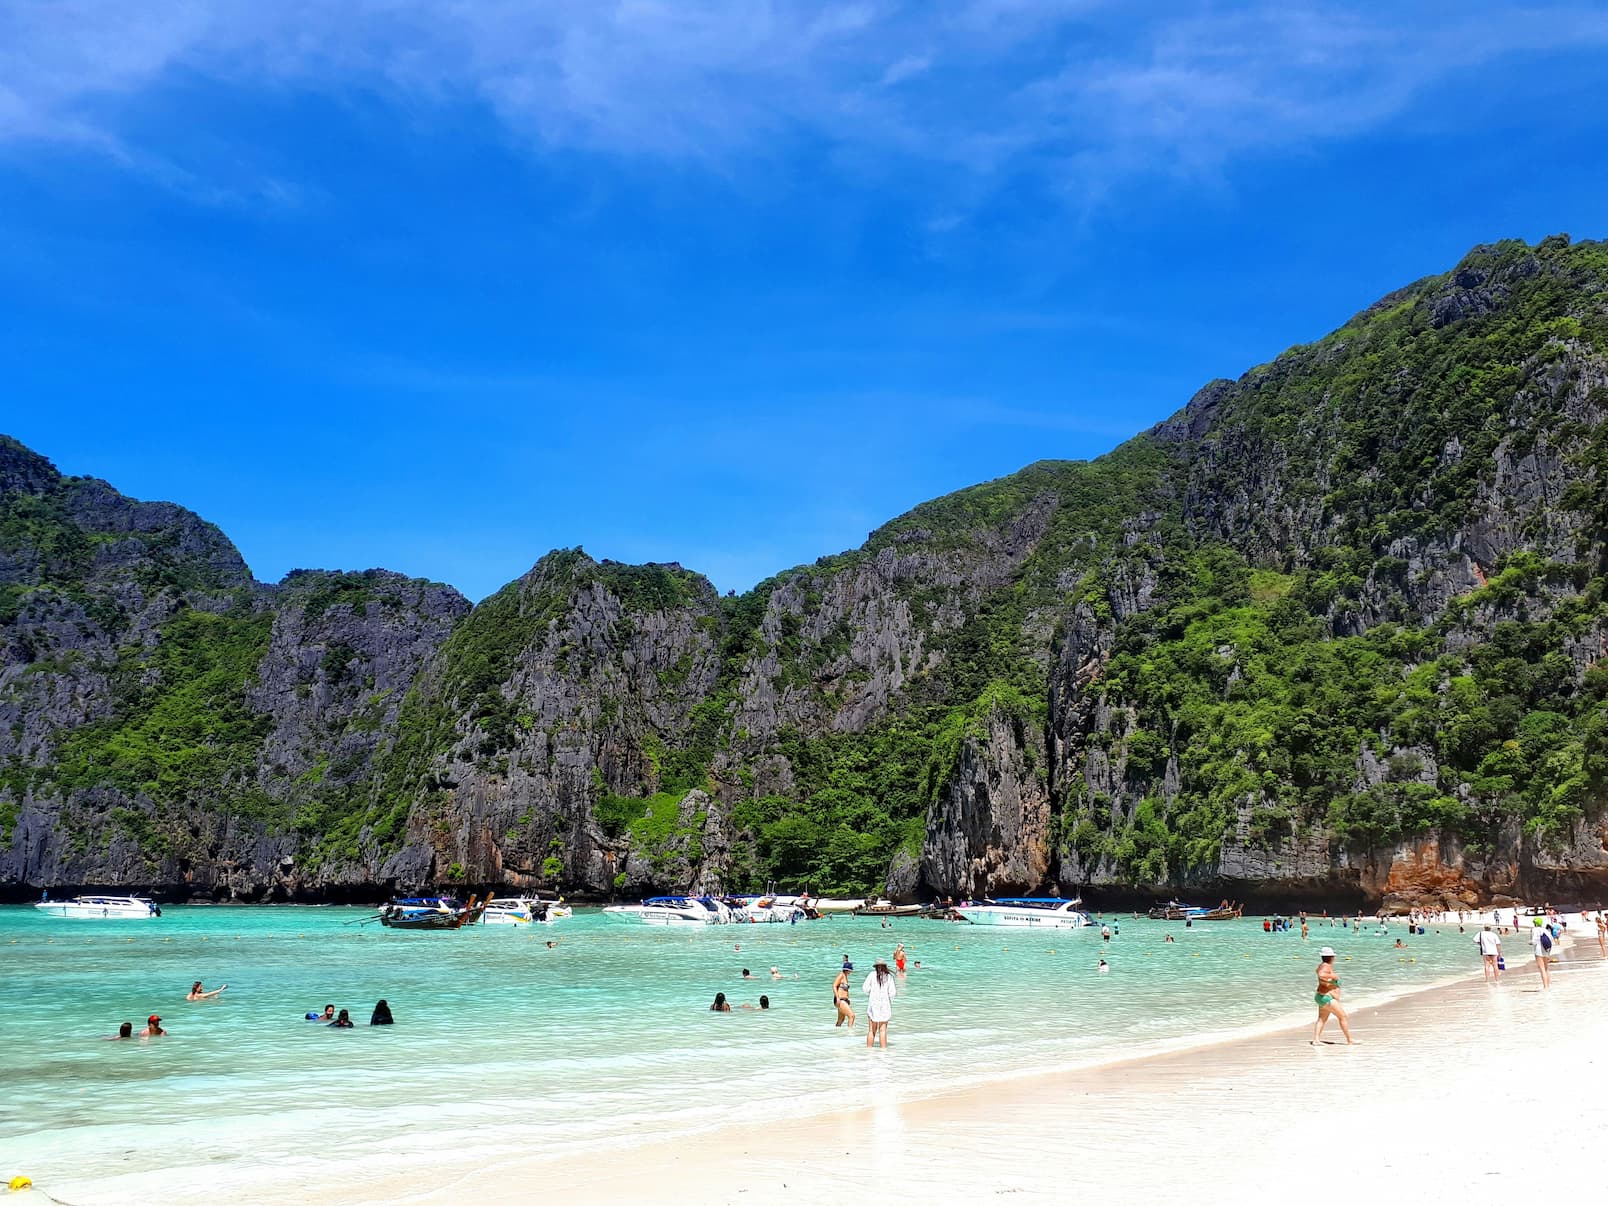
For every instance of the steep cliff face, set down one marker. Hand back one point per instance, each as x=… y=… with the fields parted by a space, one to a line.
x=1366 y=659
x=1334 y=631
x=165 y=719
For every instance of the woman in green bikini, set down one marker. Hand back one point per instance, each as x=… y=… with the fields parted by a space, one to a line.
x=1328 y=998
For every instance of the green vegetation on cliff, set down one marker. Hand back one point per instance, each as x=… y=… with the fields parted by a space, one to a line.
x=1355 y=597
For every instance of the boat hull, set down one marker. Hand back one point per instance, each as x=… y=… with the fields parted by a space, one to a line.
x=989 y=917
x=643 y=915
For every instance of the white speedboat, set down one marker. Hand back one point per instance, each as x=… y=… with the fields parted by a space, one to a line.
x=1029 y=912
x=772 y=909
x=523 y=910
x=99 y=907
x=673 y=910
x=513 y=910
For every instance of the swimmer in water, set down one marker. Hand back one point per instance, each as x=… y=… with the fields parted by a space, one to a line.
x=1104 y=967
x=720 y=1005
x=196 y=994
x=125 y=1031
x=1168 y=938
x=153 y=1027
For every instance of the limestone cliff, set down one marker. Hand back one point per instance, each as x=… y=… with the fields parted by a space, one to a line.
x=1333 y=632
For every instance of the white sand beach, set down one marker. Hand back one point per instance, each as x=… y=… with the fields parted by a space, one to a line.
x=1467 y=1092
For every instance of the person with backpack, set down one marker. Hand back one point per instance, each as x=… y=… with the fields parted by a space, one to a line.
x=1541 y=944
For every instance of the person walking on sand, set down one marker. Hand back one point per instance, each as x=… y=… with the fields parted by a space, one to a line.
x=840 y=999
x=1602 y=933
x=880 y=988
x=1490 y=952
x=1328 y=998
x=1541 y=944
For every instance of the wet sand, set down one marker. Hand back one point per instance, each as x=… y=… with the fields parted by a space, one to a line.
x=1485 y=1094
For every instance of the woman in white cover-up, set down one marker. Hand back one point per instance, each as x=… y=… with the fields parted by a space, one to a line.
x=880 y=988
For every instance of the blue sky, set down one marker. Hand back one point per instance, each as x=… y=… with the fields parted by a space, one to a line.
x=440 y=286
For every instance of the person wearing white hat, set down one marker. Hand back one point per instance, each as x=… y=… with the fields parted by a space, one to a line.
x=1328 y=998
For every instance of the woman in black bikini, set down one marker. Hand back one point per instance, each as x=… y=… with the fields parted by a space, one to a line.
x=840 y=998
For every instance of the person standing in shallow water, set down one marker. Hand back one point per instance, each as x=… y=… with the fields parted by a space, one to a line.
x=880 y=988
x=840 y=1000
x=1328 y=998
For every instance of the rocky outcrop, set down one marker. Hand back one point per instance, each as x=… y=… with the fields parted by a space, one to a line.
x=988 y=833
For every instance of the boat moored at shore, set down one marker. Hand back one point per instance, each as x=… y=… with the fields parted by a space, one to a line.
x=523 y=910
x=674 y=910
x=885 y=908
x=772 y=909
x=1027 y=912
x=431 y=913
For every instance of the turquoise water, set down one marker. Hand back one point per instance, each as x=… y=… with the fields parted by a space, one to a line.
x=502 y=1042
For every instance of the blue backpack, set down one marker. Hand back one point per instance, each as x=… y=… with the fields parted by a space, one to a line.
x=1546 y=940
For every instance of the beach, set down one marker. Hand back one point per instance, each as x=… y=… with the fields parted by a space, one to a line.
x=1467 y=1091
x=596 y=1068
x=1478 y=1093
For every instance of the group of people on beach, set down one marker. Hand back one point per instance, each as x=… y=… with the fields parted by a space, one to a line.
x=1544 y=934
x=880 y=987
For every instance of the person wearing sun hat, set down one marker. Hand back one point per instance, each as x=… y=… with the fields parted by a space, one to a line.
x=153 y=1027
x=1328 y=998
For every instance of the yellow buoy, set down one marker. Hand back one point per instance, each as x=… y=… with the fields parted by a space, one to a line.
x=18 y=1184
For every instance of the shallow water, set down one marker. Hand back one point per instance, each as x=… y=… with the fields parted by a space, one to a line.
x=501 y=1042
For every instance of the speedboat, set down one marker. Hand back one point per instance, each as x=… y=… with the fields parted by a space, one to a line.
x=431 y=913
x=523 y=910
x=99 y=907
x=673 y=910
x=773 y=909
x=1031 y=912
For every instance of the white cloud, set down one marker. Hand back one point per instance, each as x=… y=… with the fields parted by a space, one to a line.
x=1090 y=93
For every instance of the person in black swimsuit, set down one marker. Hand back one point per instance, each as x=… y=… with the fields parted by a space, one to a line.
x=840 y=999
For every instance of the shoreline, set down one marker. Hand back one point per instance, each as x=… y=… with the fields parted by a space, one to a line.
x=487 y=1159
x=781 y=1151
x=913 y=1149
